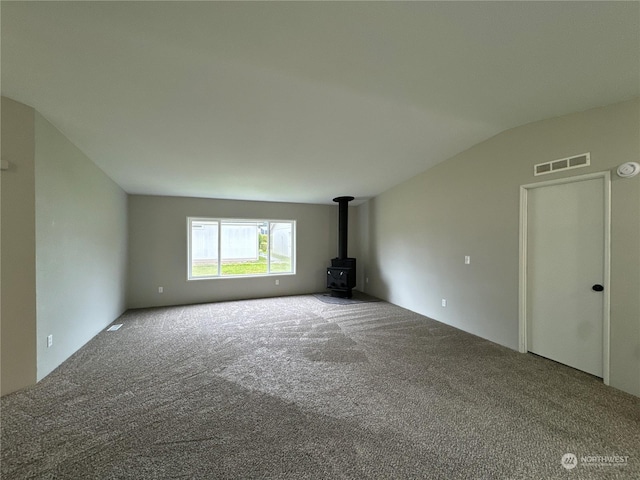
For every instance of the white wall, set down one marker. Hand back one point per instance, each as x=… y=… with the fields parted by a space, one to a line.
x=413 y=238
x=158 y=250
x=81 y=247
x=18 y=306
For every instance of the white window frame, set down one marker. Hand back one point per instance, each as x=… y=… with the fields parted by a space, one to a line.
x=220 y=221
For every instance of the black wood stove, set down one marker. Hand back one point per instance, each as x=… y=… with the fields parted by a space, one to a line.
x=341 y=275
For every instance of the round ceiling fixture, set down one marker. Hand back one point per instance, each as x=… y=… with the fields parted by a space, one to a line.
x=629 y=169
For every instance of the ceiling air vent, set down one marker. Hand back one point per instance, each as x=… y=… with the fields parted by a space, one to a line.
x=577 y=161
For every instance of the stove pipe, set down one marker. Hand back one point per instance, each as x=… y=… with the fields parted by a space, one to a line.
x=343 y=225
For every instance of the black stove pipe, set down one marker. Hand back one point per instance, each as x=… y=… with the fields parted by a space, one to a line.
x=343 y=225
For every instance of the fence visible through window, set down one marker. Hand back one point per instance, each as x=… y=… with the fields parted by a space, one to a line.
x=221 y=247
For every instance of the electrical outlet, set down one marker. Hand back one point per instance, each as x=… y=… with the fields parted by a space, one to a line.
x=444 y=302
x=160 y=289
x=366 y=280
x=467 y=259
x=277 y=282
x=49 y=341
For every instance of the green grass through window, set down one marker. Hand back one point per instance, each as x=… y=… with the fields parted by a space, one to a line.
x=257 y=267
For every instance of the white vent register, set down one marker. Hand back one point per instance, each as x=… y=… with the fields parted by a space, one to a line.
x=577 y=161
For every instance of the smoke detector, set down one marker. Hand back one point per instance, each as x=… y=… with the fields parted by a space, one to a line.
x=629 y=169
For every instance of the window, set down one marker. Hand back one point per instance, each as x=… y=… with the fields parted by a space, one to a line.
x=230 y=247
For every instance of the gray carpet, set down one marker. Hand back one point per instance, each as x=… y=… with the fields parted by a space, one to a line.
x=300 y=389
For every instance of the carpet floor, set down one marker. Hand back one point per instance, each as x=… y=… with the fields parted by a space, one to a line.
x=297 y=388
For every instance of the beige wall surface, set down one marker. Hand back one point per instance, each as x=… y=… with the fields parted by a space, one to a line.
x=81 y=245
x=413 y=238
x=18 y=310
x=158 y=250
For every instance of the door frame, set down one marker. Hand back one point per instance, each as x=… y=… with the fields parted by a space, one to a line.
x=522 y=311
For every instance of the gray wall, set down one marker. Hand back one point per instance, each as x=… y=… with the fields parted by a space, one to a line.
x=413 y=238
x=81 y=245
x=18 y=305
x=64 y=241
x=158 y=250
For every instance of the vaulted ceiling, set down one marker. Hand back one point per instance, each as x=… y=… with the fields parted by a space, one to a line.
x=305 y=101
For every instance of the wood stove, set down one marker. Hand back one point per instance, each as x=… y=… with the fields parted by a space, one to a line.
x=341 y=275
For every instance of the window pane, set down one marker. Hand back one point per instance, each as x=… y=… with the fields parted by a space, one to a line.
x=237 y=247
x=240 y=247
x=281 y=242
x=204 y=248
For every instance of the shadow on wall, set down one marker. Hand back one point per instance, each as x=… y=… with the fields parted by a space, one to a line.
x=377 y=285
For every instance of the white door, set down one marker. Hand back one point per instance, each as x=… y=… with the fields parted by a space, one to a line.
x=565 y=267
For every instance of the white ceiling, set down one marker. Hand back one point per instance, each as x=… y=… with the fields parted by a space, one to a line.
x=305 y=101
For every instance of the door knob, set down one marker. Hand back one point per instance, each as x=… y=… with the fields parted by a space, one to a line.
x=597 y=288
